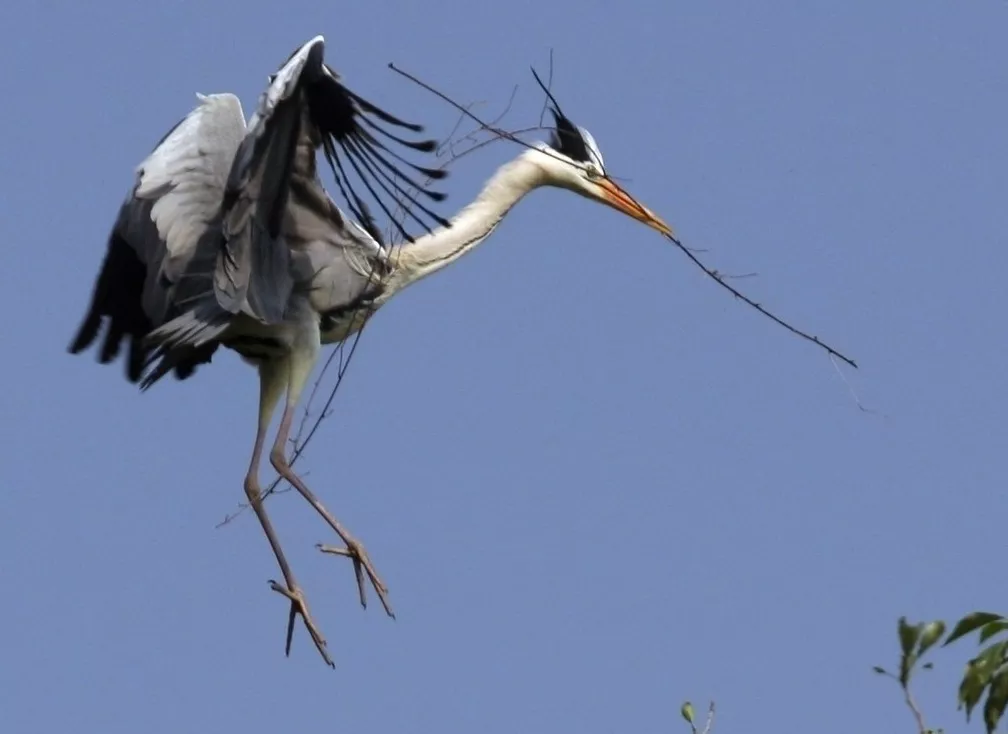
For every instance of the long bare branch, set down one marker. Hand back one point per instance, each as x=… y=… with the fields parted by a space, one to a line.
x=710 y=272
x=722 y=280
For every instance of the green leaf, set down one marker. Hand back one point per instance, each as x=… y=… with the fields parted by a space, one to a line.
x=980 y=671
x=969 y=623
x=997 y=700
x=931 y=633
x=687 y=712
x=992 y=656
x=970 y=690
x=908 y=634
x=992 y=628
x=906 y=667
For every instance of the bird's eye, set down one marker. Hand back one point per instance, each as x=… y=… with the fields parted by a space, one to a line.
x=592 y=171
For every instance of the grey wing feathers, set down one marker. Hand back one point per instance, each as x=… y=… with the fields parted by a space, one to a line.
x=184 y=179
x=209 y=232
x=175 y=199
x=286 y=80
x=186 y=174
x=305 y=107
x=251 y=264
x=340 y=267
x=253 y=272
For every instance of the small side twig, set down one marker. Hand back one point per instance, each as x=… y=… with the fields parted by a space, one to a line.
x=710 y=719
x=915 y=710
x=908 y=698
x=850 y=388
x=549 y=86
x=687 y=713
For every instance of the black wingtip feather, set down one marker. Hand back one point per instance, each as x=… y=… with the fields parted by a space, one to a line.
x=424 y=146
x=434 y=173
x=87 y=332
x=113 y=337
x=367 y=158
x=382 y=114
x=340 y=114
x=117 y=305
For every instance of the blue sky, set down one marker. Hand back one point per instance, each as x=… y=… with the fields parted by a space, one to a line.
x=595 y=484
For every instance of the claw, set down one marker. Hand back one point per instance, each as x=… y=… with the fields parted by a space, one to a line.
x=356 y=553
x=300 y=606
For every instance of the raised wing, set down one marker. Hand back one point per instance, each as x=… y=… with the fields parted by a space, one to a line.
x=186 y=174
x=304 y=108
x=177 y=195
x=188 y=255
x=345 y=126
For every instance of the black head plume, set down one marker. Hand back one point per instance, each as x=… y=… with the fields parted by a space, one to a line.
x=567 y=138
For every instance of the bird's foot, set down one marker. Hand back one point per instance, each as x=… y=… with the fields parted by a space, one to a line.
x=300 y=606
x=362 y=564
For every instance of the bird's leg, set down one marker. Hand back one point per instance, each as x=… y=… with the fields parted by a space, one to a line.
x=272 y=379
x=300 y=369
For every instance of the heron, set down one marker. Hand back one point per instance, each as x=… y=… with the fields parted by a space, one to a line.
x=228 y=238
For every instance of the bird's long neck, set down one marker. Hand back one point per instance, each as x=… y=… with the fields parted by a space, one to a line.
x=469 y=227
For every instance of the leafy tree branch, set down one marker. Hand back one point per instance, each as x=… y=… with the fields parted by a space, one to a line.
x=986 y=674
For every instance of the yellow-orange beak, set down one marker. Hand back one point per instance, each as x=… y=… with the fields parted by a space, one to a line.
x=620 y=200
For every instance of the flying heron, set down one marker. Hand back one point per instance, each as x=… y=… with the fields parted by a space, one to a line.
x=228 y=238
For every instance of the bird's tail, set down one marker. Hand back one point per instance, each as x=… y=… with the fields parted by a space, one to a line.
x=188 y=338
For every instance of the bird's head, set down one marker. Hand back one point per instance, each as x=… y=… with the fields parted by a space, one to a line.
x=571 y=159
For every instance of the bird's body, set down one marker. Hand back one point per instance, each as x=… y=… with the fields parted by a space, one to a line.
x=229 y=239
